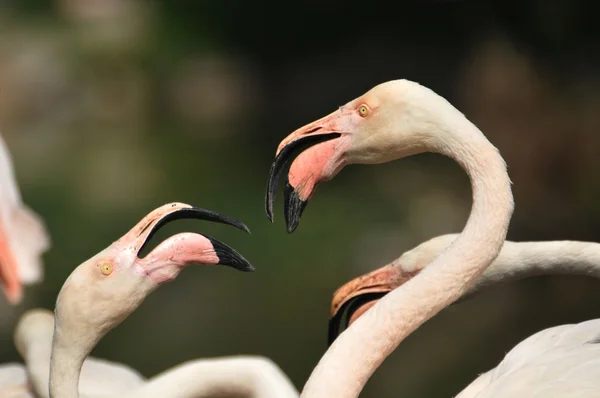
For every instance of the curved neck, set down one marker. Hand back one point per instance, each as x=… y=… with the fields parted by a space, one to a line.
x=66 y=361
x=357 y=353
x=247 y=377
x=37 y=355
x=519 y=260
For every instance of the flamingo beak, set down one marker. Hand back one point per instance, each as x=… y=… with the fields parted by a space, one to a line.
x=289 y=149
x=186 y=248
x=9 y=273
x=360 y=294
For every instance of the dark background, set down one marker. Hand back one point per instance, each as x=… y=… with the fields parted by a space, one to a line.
x=112 y=108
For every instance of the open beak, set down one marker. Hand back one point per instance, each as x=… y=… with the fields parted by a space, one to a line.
x=9 y=273
x=357 y=296
x=186 y=248
x=293 y=205
x=292 y=146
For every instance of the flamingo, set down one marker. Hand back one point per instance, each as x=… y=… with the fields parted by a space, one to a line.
x=23 y=235
x=101 y=292
x=33 y=339
x=517 y=260
x=393 y=120
x=255 y=376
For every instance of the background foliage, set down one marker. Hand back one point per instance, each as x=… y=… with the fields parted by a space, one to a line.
x=112 y=108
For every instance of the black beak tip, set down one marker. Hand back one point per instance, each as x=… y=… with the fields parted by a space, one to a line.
x=228 y=256
x=246 y=229
x=269 y=214
x=292 y=225
x=243 y=266
x=293 y=208
x=237 y=262
x=274 y=174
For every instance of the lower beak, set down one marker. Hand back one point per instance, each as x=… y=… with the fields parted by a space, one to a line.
x=145 y=229
x=293 y=207
x=228 y=256
x=9 y=273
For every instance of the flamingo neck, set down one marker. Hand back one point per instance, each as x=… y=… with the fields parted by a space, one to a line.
x=66 y=361
x=519 y=260
x=346 y=367
x=244 y=377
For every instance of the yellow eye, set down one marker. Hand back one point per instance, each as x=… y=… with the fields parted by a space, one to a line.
x=363 y=110
x=106 y=268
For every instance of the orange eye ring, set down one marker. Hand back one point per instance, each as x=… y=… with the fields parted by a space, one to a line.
x=106 y=269
x=363 y=110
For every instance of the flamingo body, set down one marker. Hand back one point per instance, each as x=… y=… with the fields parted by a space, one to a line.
x=562 y=361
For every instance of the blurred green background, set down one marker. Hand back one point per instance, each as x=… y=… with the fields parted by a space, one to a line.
x=111 y=108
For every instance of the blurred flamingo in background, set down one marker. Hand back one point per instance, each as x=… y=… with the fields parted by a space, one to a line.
x=395 y=120
x=517 y=260
x=245 y=376
x=33 y=338
x=23 y=235
x=103 y=291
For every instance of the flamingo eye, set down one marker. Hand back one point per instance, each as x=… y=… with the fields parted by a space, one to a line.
x=363 y=110
x=106 y=269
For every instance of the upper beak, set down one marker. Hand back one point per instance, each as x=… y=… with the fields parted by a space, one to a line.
x=305 y=137
x=358 y=295
x=149 y=225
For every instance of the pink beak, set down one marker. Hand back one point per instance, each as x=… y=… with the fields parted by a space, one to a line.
x=317 y=132
x=360 y=294
x=182 y=249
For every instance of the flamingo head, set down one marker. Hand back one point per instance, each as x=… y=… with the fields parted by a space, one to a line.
x=360 y=294
x=105 y=289
x=391 y=121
